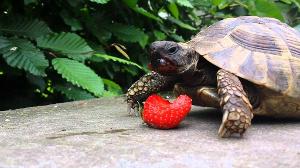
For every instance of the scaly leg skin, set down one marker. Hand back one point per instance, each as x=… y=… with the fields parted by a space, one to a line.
x=206 y=96
x=237 y=110
x=142 y=88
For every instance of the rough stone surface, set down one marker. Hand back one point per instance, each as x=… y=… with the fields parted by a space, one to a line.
x=99 y=133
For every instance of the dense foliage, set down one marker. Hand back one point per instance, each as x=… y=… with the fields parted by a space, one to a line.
x=62 y=50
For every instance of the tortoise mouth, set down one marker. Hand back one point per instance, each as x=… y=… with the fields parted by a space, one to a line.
x=162 y=65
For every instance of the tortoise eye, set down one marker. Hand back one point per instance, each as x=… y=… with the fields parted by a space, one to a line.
x=172 y=50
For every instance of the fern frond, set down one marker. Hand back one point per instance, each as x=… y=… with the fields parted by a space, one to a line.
x=116 y=59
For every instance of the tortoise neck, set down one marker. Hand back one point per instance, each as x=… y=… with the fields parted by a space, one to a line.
x=191 y=65
x=206 y=72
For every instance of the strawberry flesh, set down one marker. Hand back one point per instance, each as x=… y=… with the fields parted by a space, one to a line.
x=162 y=114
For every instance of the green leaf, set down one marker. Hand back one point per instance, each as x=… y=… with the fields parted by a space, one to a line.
x=130 y=3
x=22 y=54
x=221 y=4
x=177 y=37
x=112 y=87
x=163 y=13
x=98 y=49
x=129 y=33
x=100 y=1
x=132 y=70
x=144 y=41
x=180 y=23
x=224 y=4
x=133 y=5
x=69 y=44
x=109 y=94
x=73 y=92
x=159 y=35
x=146 y=13
x=265 y=8
x=100 y=32
x=21 y=26
x=297 y=3
x=173 y=9
x=99 y=26
x=185 y=3
x=79 y=74
x=70 y=21
x=297 y=27
x=287 y=1
x=116 y=59
x=216 y=2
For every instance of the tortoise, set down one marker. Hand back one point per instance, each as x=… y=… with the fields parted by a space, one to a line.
x=245 y=66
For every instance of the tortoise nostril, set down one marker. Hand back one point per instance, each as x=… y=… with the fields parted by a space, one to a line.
x=162 y=61
x=153 y=47
x=156 y=45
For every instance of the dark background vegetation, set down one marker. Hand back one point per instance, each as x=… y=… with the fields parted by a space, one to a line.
x=60 y=50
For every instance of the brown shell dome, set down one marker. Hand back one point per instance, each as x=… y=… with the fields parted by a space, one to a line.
x=264 y=51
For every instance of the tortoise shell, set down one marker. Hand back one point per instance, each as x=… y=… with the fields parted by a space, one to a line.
x=261 y=50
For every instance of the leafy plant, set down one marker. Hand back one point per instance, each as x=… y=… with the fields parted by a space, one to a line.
x=81 y=49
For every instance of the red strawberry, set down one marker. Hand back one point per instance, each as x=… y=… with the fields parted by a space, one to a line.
x=160 y=113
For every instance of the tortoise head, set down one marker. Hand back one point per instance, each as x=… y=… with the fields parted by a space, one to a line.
x=171 y=58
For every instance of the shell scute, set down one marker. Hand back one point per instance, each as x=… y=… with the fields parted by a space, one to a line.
x=247 y=68
x=258 y=42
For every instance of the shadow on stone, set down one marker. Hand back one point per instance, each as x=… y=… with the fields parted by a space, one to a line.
x=181 y=126
x=211 y=114
x=208 y=114
x=272 y=120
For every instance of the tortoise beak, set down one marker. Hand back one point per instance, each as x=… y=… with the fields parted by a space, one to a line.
x=154 y=56
x=157 y=60
x=161 y=64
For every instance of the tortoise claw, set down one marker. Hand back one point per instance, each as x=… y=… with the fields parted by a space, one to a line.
x=130 y=110
x=234 y=122
x=134 y=108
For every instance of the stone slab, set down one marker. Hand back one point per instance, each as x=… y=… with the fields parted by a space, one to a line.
x=99 y=133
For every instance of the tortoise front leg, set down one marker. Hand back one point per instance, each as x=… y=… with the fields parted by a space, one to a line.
x=142 y=88
x=205 y=96
x=237 y=110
